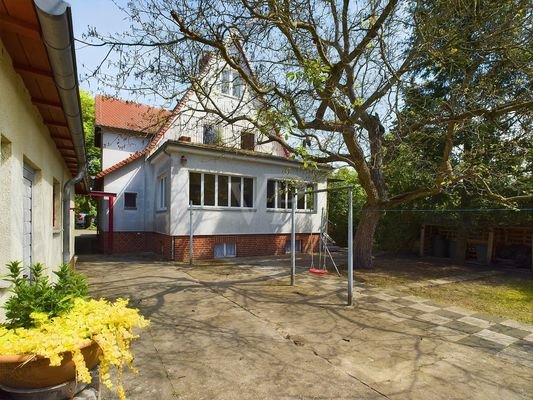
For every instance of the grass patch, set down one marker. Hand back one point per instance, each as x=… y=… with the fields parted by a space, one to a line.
x=500 y=296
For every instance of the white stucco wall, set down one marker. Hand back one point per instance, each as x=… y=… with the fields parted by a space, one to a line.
x=192 y=119
x=118 y=146
x=229 y=220
x=25 y=139
x=130 y=178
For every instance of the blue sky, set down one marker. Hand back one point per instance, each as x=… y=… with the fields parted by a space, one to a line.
x=107 y=18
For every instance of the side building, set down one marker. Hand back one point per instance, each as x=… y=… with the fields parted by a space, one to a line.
x=42 y=154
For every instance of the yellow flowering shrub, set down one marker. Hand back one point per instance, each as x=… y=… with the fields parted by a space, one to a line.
x=110 y=324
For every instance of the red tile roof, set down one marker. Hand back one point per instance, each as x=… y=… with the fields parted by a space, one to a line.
x=170 y=116
x=155 y=139
x=121 y=114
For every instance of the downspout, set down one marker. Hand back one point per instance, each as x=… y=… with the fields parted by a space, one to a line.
x=56 y=25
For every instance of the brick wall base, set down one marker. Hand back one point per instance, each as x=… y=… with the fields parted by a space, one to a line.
x=136 y=242
x=203 y=246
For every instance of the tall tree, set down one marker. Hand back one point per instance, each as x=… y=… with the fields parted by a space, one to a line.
x=324 y=69
x=86 y=204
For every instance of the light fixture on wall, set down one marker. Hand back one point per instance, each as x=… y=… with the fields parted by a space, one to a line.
x=183 y=160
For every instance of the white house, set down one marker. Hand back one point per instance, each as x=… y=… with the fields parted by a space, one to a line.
x=42 y=144
x=237 y=183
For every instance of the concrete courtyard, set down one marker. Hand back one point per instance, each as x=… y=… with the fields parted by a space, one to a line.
x=238 y=330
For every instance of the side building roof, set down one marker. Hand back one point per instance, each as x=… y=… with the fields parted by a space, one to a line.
x=155 y=140
x=127 y=115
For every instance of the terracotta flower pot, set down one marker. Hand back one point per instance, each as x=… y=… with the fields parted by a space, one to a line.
x=28 y=372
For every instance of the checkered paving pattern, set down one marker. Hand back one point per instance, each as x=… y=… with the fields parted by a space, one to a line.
x=508 y=339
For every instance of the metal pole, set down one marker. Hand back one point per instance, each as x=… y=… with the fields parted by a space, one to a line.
x=320 y=241
x=190 y=234
x=293 y=240
x=350 y=249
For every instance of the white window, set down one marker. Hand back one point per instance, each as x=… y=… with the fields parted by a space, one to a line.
x=280 y=194
x=236 y=85
x=212 y=135
x=231 y=83
x=221 y=190
x=225 y=250
x=225 y=86
x=56 y=204
x=297 y=246
x=162 y=192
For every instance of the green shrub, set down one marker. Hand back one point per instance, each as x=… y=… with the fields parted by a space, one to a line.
x=37 y=294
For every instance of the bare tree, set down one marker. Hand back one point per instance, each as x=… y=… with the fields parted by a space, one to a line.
x=330 y=77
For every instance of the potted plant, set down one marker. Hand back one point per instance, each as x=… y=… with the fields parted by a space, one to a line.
x=54 y=333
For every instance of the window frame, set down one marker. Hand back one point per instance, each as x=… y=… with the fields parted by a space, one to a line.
x=230 y=184
x=126 y=207
x=225 y=246
x=231 y=84
x=286 y=198
x=248 y=140
x=162 y=192
x=56 y=204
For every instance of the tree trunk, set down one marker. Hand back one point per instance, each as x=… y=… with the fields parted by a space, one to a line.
x=364 y=237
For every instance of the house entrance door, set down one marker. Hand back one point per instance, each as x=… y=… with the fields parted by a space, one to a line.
x=27 y=222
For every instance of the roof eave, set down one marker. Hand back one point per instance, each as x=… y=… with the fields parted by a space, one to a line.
x=176 y=145
x=55 y=19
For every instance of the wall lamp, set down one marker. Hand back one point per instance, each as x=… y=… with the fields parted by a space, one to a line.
x=183 y=160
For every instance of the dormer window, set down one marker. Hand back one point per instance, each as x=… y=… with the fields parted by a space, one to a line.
x=231 y=84
x=247 y=140
x=226 y=82
x=211 y=135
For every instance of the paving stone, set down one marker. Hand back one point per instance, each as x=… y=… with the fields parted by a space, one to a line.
x=488 y=317
x=481 y=323
x=389 y=305
x=517 y=355
x=372 y=299
x=448 y=314
x=403 y=302
x=410 y=311
x=517 y=325
x=448 y=334
x=496 y=337
x=523 y=345
x=529 y=338
x=434 y=318
x=422 y=325
x=393 y=317
x=459 y=310
x=415 y=299
x=461 y=326
x=424 y=307
x=507 y=330
x=487 y=345
x=384 y=296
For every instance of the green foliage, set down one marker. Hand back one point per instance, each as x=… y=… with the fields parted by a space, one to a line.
x=93 y=152
x=466 y=74
x=313 y=71
x=338 y=205
x=86 y=204
x=37 y=294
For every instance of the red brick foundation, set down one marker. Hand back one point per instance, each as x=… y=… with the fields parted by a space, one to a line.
x=137 y=242
x=203 y=246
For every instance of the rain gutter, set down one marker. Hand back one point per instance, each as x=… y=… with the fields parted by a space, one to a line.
x=55 y=19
